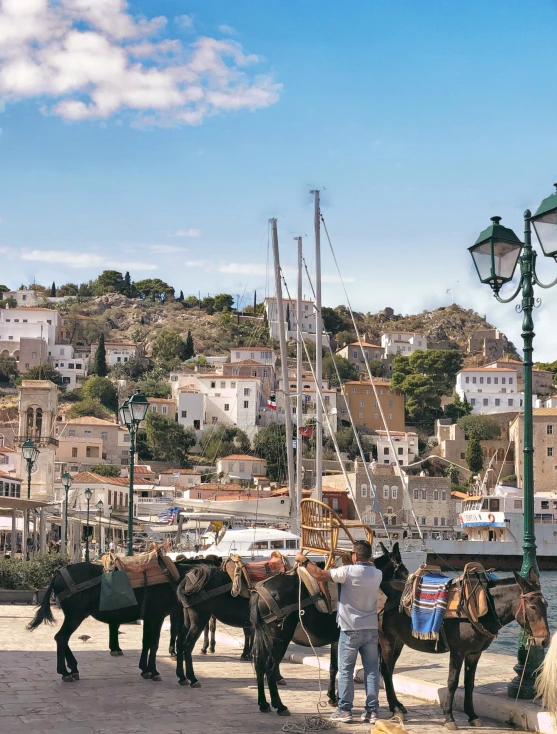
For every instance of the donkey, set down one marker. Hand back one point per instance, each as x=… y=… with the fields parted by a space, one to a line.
x=509 y=599
x=153 y=605
x=271 y=639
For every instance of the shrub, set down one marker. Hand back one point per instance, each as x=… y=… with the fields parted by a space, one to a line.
x=106 y=470
x=16 y=573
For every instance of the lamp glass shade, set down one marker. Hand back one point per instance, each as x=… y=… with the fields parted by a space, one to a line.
x=125 y=414
x=545 y=225
x=495 y=254
x=88 y=494
x=67 y=480
x=139 y=406
x=28 y=450
x=100 y=505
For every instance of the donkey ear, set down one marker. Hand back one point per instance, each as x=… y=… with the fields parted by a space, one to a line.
x=385 y=551
x=518 y=578
x=533 y=577
x=396 y=550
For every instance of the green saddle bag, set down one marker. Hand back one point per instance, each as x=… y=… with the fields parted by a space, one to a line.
x=116 y=591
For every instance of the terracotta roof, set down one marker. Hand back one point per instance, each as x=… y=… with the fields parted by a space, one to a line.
x=142 y=469
x=3 y=475
x=240 y=457
x=414 y=333
x=31 y=308
x=382 y=383
x=214 y=376
x=487 y=369
x=364 y=344
x=247 y=349
x=89 y=420
x=87 y=477
x=397 y=433
x=245 y=361
x=160 y=400
x=220 y=487
x=180 y=471
x=506 y=361
x=545 y=411
x=6 y=450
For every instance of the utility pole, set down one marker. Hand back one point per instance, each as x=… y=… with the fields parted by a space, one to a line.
x=318 y=493
x=294 y=518
x=299 y=357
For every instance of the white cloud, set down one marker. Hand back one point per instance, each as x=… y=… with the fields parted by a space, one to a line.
x=82 y=260
x=197 y=264
x=165 y=249
x=227 y=30
x=184 y=21
x=190 y=232
x=93 y=60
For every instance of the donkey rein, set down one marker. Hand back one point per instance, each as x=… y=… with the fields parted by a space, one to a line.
x=315 y=722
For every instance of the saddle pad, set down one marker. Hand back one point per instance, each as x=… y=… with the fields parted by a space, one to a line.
x=142 y=570
x=259 y=570
x=116 y=591
x=314 y=587
x=428 y=606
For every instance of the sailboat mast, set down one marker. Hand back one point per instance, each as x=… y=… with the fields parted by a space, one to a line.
x=299 y=357
x=294 y=515
x=318 y=493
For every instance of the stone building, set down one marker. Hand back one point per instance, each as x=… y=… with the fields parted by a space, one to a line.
x=545 y=448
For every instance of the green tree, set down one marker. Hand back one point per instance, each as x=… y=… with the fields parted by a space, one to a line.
x=345 y=368
x=89 y=407
x=377 y=367
x=288 y=317
x=99 y=362
x=333 y=321
x=41 y=372
x=208 y=305
x=53 y=290
x=189 y=350
x=223 y=441
x=458 y=408
x=270 y=444
x=151 y=387
x=8 y=369
x=474 y=456
x=127 y=290
x=347 y=443
x=168 y=440
x=85 y=290
x=191 y=302
x=168 y=349
x=4 y=289
x=109 y=281
x=480 y=427
x=103 y=389
x=130 y=370
x=67 y=290
x=453 y=473
x=154 y=289
x=106 y=470
x=180 y=298
x=8 y=303
x=550 y=367
x=223 y=302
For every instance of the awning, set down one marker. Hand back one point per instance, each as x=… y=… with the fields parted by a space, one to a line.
x=18 y=503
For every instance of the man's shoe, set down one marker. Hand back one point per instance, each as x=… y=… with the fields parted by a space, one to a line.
x=369 y=717
x=342 y=716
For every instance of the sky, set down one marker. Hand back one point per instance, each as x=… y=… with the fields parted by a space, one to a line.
x=160 y=137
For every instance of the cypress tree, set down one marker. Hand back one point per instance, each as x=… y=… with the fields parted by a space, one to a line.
x=474 y=456
x=181 y=296
x=254 y=301
x=189 y=350
x=53 y=290
x=288 y=316
x=99 y=363
x=127 y=285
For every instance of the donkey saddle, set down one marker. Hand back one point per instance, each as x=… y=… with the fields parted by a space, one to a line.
x=245 y=575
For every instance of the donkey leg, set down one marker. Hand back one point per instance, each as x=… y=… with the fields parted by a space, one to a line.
x=144 y=658
x=180 y=642
x=279 y=648
x=333 y=670
x=113 y=639
x=176 y=617
x=261 y=698
x=399 y=707
x=212 y=630
x=246 y=652
x=197 y=623
x=455 y=665
x=388 y=660
x=205 y=645
x=154 y=639
x=63 y=651
x=470 y=665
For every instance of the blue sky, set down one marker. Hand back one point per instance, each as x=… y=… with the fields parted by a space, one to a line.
x=161 y=142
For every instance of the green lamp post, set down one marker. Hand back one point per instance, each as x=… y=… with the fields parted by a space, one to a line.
x=496 y=254
x=30 y=454
x=88 y=494
x=132 y=412
x=100 y=506
x=67 y=483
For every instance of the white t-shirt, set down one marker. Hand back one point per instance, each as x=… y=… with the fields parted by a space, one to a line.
x=357 y=605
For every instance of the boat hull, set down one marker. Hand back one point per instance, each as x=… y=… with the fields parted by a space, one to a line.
x=511 y=562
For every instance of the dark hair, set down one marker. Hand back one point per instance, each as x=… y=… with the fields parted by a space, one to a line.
x=362 y=549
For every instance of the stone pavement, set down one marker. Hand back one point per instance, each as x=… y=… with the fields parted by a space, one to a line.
x=111 y=698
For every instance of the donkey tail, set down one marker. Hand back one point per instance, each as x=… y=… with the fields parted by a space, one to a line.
x=44 y=612
x=546 y=682
x=262 y=642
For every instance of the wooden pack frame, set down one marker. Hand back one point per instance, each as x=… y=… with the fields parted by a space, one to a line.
x=321 y=527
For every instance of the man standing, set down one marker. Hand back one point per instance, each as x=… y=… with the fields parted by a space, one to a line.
x=357 y=618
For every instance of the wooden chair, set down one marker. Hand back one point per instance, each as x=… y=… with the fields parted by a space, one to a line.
x=321 y=527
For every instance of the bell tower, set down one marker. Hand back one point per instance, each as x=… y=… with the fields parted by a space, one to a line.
x=38 y=408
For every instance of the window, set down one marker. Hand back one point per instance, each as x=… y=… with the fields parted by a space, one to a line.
x=390 y=416
x=474 y=380
x=174 y=378
x=423 y=520
x=185 y=413
x=34 y=355
x=242 y=467
x=472 y=401
x=511 y=401
x=265 y=373
x=372 y=519
x=74 y=452
x=444 y=495
x=481 y=380
x=246 y=404
x=416 y=493
x=436 y=521
x=424 y=494
x=227 y=406
x=375 y=415
x=485 y=401
x=442 y=522
x=214 y=420
x=386 y=451
x=467 y=379
x=327 y=399
x=235 y=372
x=361 y=403
x=375 y=404
x=164 y=409
x=390 y=403
x=550 y=450
x=517 y=504
x=237 y=355
x=360 y=415
x=104 y=435
x=354 y=354
x=71 y=433
x=127 y=438
x=488 y=380
x=246 y=391
x=435 y=494
x=386 y=492
x=233 y=384
x=389 y=511
x=549 y=430
x=497 y=401
x=213 y=384
x=363 y=490
x=400 y=451
x=26 y=365
x=223 y=384
x=368 y=392
x=354 y=389
x=511 y=381
x=503 y=380
x=394 y=492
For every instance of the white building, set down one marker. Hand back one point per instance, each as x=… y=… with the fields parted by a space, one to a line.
x=310 y=397
x=309 y=320
x=191 y=408
x=29 y=323
x=73 y=369
x=490 y=390
x=264 y=355
x=405 y=443
x=117 y=352
x=241 y=467
x=30 y=297
x=547 y=402
x=403 y=342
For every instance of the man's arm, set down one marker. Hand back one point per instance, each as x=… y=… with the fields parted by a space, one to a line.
x=313 y=569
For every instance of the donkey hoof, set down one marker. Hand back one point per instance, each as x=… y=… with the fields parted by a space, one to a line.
x=197 y=684
x=114 y=653
x=265 y=708
x=68 y=678
x=120 y=653
x=332 y=703
x=156 y=677
x=400 y=710
x=476 y=722
x=146 y=676
x=212 y=650
x=203 y=652
x=451 y=725
x=75 y=675
x=283 y=712
x=281 y=682
x=183 y=682
x=174 y=657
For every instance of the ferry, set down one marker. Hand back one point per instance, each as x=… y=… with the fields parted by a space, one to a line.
x=491 y=530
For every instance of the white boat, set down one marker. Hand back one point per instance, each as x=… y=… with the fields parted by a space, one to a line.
x=491 y=530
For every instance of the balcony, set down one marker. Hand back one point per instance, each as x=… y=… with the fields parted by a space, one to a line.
x=41 y=442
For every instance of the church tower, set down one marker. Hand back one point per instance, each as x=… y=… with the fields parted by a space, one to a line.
x=38 y=408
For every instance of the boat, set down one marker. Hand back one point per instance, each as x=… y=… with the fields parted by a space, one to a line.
x=491 y=530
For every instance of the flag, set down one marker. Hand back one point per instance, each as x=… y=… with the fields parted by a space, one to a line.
x=306 y=431
x=272 y=402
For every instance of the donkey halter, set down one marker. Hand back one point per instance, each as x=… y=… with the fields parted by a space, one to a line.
x=522 y=608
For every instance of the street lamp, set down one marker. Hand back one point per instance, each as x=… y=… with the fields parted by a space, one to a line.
x=132 y=412
x=88 y=494
x=100 y=505
x=109 y=523
x=30 y=454
x=67 y=483
x=496 y=253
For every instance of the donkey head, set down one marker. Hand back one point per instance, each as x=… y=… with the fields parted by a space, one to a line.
x=531 y=612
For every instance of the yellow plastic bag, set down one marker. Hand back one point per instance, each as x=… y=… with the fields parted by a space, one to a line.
x=390 y=726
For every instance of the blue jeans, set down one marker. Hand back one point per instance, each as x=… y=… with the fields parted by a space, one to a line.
x=350 y=644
